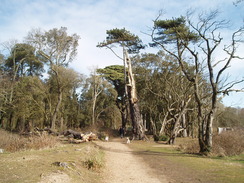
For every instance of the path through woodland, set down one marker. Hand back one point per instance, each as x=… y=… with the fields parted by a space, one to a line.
x=124 y=167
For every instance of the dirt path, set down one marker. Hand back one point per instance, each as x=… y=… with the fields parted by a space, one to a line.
x=124 y=167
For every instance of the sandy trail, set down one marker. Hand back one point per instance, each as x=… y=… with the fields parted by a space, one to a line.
x=124 y=167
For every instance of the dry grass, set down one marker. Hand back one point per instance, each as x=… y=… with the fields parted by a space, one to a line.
x=229 y=143
x=13 y=142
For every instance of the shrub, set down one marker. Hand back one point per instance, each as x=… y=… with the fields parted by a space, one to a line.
x=229 y=143
x=95 y=160
x=161 y=138
x=189 y=145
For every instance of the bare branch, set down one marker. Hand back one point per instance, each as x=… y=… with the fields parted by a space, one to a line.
x=230 y=50
x=230 y=87
x=114 y=52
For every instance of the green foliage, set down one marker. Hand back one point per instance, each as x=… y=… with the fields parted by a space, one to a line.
x=230 y=117
x=161 y=88
x=115 y=75
x=24 y=61
x=124 y=38
x=173 y=30
x=111 y=117
x=29 y=102
x=161 y=138
x=105 y=98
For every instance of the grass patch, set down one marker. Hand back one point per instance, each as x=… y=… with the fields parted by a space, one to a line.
x=192 y=167
x=32 y=166
x=29 y=160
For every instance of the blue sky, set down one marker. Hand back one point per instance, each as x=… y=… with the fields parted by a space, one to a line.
x=91 y=18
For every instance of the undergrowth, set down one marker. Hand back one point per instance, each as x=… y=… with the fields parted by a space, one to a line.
x=229 y=143
x=13 y=142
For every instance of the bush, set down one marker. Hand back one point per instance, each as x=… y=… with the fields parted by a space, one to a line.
x=161 y=138
x=190 y=145
x=228 y=143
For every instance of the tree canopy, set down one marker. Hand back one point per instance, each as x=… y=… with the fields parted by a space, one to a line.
x=123 y=38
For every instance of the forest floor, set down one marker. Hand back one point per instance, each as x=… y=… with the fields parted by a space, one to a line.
x=145 y=162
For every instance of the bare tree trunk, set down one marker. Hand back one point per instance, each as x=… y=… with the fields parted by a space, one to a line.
x=62 y=123
x=144 y=122
x=154 y=130
x=174 y=131
x=209 y=131
x=93 y=109
x=137 y=123
x=96 y=93
x=184 y=125
x=163 y=124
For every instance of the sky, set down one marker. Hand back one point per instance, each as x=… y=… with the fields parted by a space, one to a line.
x=91 y=18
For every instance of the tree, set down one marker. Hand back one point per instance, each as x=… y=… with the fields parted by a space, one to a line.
x=23 y=61
x=132 y=44
x=115 y=75
x=28 y=101
x=97 y=98
x=4 y=86
x=196 y=44
x=230 y=117
x=20 y=61
x=165 y=92
x=58 y=49
x=97 y=86
x=62 y=80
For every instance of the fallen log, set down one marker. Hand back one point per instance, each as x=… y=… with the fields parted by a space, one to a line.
x=76 y=135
